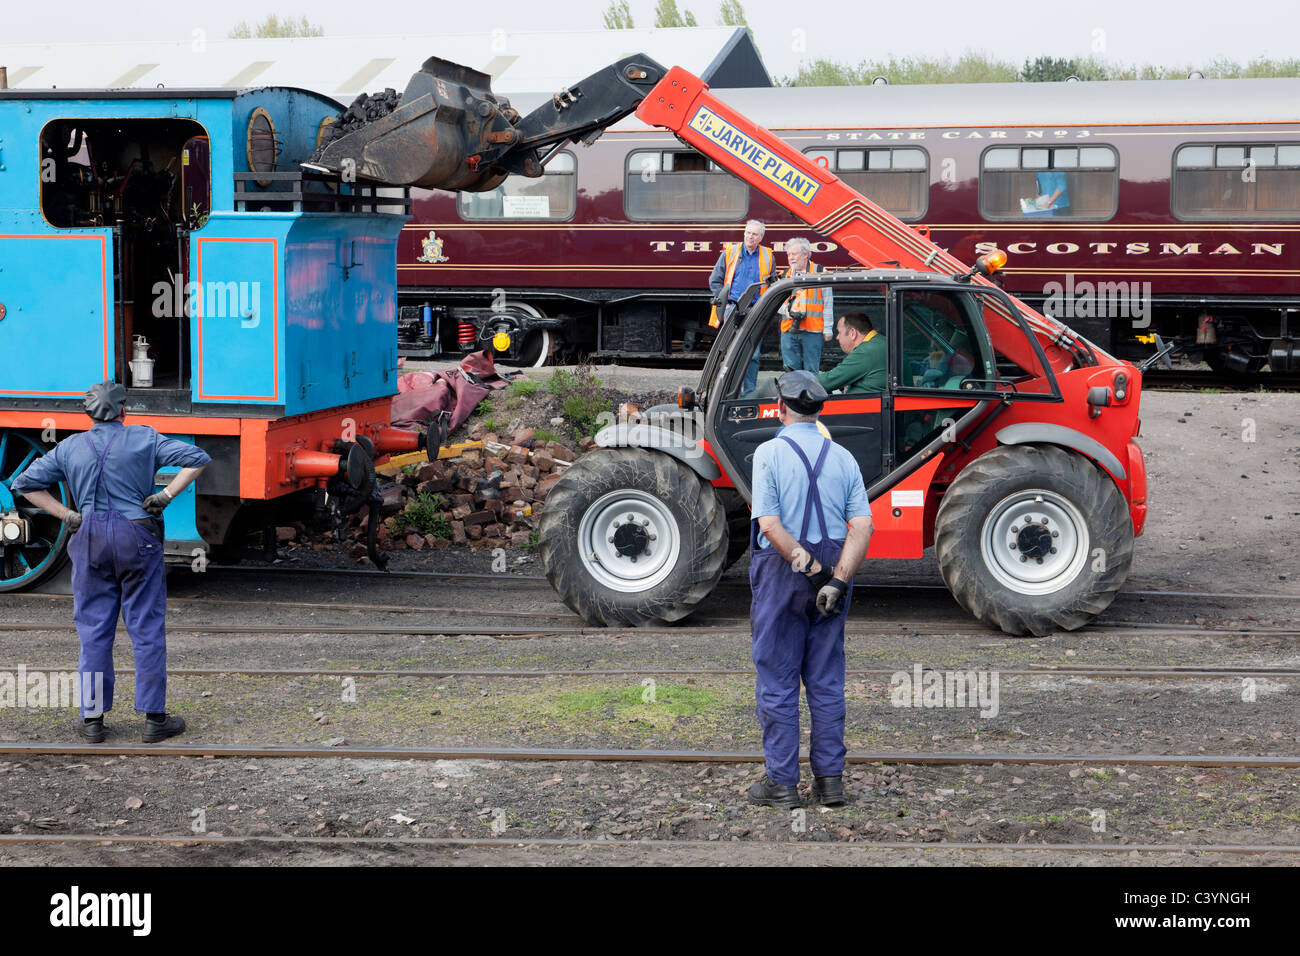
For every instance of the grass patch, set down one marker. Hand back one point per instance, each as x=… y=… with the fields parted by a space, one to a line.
x=580 y=398
x=425 y=515
x=524 y=388
x=545 y=434
x=668 y=701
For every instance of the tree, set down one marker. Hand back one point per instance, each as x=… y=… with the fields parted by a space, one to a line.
x=273 y=26
x=666 y=15
x=968 y=68
x=619 y=16
x=1047 y=69
x=732 y=14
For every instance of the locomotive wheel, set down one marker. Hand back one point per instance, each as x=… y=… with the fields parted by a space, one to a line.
x=631 y=536
x=1032 y=539
x=26 y=565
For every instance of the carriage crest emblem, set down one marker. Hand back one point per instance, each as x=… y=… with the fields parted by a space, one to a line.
x=431 y=249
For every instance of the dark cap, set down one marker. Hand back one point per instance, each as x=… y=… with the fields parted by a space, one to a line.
x=801 y=391
x=105 y=401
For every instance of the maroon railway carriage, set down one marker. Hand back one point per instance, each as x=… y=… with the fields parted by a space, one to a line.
x=1182 y=217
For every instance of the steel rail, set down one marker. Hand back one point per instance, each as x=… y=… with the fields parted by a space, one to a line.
x=721 y=629
x=546 y=755
x=183 y=841
x=540 y=579
x=649 y=670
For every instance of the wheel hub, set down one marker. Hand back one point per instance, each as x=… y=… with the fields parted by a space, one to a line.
x=1035 y=541
x=630 y=540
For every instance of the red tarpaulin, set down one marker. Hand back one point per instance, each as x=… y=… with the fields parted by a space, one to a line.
x=422 y=395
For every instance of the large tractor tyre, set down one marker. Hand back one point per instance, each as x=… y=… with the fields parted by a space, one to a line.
x=1032 y=539
x=631 y=536
x=26 y=564
x=737 y=524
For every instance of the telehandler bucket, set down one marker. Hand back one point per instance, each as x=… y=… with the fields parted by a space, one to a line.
x=434 y=136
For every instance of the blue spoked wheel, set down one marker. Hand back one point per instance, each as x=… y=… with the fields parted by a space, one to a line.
x=26 y=565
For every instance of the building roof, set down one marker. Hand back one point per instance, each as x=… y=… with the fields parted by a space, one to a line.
x=343 y=67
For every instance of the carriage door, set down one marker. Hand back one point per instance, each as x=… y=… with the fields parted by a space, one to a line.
x=855 y=416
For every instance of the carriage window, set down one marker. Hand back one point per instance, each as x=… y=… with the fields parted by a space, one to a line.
x=1061 y=182
x=1237 y=182
x=682 y=184
x=897 y=180
x=553 y=197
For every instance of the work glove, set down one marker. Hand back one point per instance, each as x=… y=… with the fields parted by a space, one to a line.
x=73 y=520
x=155 y=504
x=828 y=598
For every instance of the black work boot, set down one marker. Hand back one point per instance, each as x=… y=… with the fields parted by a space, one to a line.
x=92 y=728
x=828 y=791
x=159 y=727
x=765 y=793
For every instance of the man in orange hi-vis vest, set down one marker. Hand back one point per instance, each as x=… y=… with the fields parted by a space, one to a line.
x=739 y=267
x=807 y=316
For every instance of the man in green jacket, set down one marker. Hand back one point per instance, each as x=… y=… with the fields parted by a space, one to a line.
x=865 y=357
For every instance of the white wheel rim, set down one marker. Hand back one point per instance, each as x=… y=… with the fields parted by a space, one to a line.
x=546 y=349
x=1034 y=542
x=629 y=541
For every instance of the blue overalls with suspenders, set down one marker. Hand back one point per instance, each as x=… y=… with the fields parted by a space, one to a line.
x=792 y=640
x=117 y=567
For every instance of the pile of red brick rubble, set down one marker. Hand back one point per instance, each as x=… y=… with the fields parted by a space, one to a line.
x=492 y=496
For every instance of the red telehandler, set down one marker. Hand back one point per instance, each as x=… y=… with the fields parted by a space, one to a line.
x=1002 y=438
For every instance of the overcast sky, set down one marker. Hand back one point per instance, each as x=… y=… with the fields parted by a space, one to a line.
x=786 y=31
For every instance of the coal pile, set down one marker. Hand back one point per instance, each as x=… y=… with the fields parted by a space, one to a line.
x=366 y=108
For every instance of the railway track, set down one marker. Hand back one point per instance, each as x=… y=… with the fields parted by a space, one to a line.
x=738 y=627
x=1045 y=670
x=564 y=755
x=1187 y=379
x=193 y=840
x=540 y=581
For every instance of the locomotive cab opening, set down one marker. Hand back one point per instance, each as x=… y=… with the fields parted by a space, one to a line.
x=149 y=181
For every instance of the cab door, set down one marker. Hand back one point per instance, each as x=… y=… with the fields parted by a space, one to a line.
x=858 y=420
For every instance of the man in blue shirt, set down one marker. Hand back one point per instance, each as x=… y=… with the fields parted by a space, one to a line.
x=1053 y=196
x=802 y=586
x=117 y=549
x=739 y=267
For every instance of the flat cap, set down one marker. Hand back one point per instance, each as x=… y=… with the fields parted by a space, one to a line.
x=105 y=401
x=801 y=391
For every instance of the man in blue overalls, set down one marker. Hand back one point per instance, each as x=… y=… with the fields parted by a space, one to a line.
x=117 y=548
x=802 y=588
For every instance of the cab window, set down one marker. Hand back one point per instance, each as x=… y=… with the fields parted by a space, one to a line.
x=941 y=346
x=799 y=347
